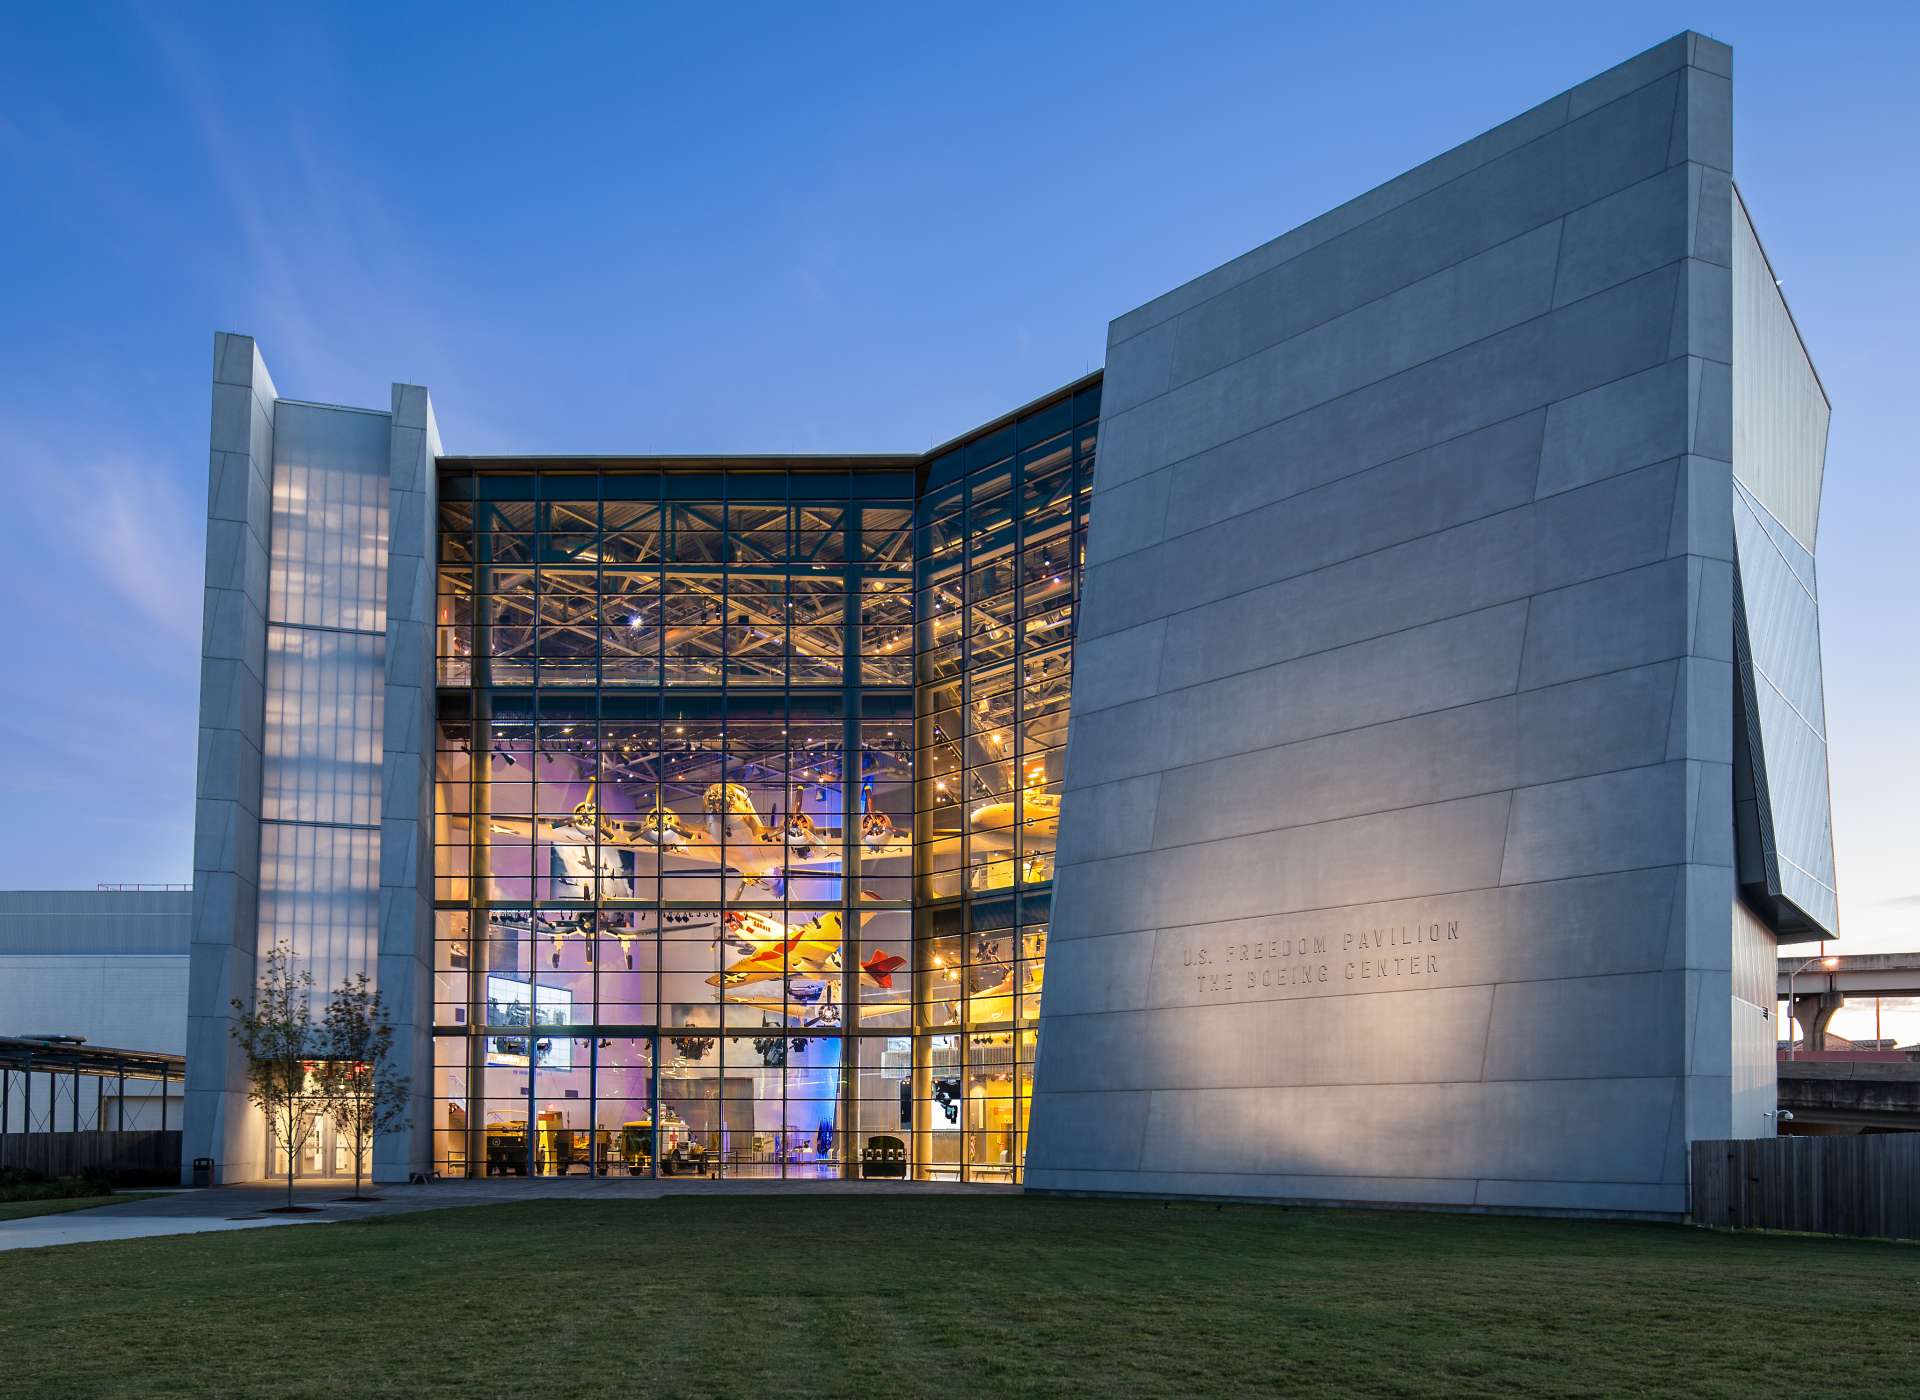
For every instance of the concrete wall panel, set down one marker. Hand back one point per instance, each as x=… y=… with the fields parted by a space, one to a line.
x=1515 y=1130
x=1418 y=850
x=218 y=1122
x=1454 y=661
x=1407 y=634
x=119 y=1001
x=1595 y=926
x=404 y=960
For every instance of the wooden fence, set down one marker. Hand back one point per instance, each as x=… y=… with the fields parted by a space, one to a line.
x=1867 y=1184
x=147 y=1158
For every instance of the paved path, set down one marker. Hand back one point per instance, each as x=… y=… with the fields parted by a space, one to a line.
x=243 y=1207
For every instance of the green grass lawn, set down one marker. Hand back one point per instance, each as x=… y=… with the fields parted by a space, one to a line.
x=55 y=1205
x=958 y=1296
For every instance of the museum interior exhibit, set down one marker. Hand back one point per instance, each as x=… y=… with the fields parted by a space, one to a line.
x=686 y=804
x=1440 y=639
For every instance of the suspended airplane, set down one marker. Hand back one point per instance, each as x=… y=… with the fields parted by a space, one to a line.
x=813 y=1002
x=732 y=836
x=995 y=823
x=1041 y=813
x=993 y=1004
x=877 y=832
x=773 y=952
x=731 y=818
x=779 y=952
x=578 y=865
x=881 y=966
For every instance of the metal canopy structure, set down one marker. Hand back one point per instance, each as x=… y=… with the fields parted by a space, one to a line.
x=65 y=1061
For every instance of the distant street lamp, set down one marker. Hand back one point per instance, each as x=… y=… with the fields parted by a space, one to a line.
x=1830 y=964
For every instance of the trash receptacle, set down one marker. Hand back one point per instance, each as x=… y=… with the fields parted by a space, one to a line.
x=203 y=1171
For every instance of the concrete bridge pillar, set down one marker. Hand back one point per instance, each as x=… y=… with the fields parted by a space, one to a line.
x=1813 y=1011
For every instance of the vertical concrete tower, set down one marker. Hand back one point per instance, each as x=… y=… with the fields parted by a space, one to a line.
x=316 y=696
x=1398 y=859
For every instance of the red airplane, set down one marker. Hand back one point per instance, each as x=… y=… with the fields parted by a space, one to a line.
x=881 y=967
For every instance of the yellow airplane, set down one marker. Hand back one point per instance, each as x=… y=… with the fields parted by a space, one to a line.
x=779 y=952
x=990 y=1005
x=1041 y=812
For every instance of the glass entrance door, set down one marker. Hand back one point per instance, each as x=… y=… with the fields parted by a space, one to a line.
x=326 y=1155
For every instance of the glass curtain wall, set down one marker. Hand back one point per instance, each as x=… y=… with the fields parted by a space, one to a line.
x=675 y=819
x=1000 y=532
x=749 y=787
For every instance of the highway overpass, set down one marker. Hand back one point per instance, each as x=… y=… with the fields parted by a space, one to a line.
x=1822 y=984
x=1834 y=1096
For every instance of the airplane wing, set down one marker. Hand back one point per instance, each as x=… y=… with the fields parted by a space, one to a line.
x=805 y=951
x=1042 y=815
x=518 y=826
x=988 y=1006
x=765 y=964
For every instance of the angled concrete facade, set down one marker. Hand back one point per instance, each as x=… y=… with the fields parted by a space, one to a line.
x=313 y=822
x=226 y=833
x=1397 y=853
x=404 y=972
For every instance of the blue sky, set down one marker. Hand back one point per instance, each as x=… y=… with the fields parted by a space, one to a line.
x=797 y=228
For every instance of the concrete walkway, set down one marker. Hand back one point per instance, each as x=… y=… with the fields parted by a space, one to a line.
x=243 y=1207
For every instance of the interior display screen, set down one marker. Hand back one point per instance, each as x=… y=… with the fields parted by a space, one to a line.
x=511 y=1002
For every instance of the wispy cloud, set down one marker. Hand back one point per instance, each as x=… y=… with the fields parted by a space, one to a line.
x=326 y=269
x=106 y=574
x=134 y=529
x=142 y=545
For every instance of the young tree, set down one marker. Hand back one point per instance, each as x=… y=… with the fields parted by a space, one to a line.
x=275 y=1034
x=365 y=1094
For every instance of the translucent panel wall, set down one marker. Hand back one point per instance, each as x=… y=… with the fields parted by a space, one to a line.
x=1785 y=712
x=1780 y=410
x=324 y=702
x=328 y=540
x=320 y=776
x=1780 y=417
x=320 y=892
